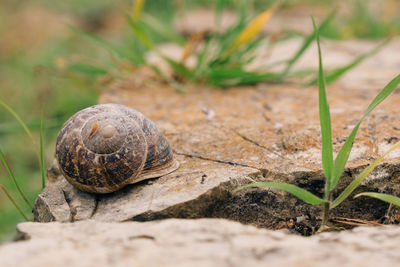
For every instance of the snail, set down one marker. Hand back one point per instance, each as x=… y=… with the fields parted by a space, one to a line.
x=105 y=147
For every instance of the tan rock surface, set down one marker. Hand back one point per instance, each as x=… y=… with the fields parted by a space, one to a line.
x=204 y=242
x=225 y=138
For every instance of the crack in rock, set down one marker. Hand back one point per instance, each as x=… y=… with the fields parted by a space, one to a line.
x=247 y=139
x=214 y=160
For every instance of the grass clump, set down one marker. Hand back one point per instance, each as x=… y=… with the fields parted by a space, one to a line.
x=219 y=59
x=334 y=168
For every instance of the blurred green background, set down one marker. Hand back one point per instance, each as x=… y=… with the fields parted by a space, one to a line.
x=36 y=43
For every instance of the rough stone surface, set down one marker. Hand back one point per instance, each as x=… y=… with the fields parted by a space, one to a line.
x=226 y=138
x=204 y=242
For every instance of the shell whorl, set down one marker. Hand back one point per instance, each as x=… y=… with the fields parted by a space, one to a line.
x=105 y=147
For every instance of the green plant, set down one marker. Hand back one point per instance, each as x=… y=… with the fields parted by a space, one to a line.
x=333 y=169
x=13 y=202
x=40 y=156
x=221 y=58
x=366 y=21
x=38 y=148
x=384 y=197
x=12 y=177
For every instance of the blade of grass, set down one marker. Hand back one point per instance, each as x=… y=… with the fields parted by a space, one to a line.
x=222 y=43
x=226 y=39
x=20 y=121
x=13 y=202
x=12 y=177
x=193 y=42
x=338 y=72
x=384 y=197
x=168 y=79
x=42 y=167
x=14 y=127
x=87 y=69
x=344 y=153
x=140 y=33
x=179 y=68
x=202 y=65
x=252 y=29
x=306 y=43
x=241 y=56
x=357 y=181
x=162 y=29
x=98 y=41
x=137 y=9
x=291 y=189
x=237 y=76
x=116 y=54
x=38 y=150
x=219 y=8
x=325 y=120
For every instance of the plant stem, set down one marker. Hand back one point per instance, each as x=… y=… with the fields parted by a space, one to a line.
x=327 y=206
x=10 y=173
x=41 y=151
x=13 y=202
x=325 y=215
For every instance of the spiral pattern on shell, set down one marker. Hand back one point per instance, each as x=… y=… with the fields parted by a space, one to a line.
x=105 y=147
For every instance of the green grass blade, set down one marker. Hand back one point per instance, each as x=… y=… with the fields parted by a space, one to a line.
x=137 y=9
x=15 y=127
x=13 y=202
x=234 y=77
x=219 y=8
x=42 y=166
x=338 y=72
x=98 y=41
x=202 y=65
x=28 y=132
x=140 y=33
x=12 y=177
x=179 y=68
x=226 y=39
x=384 y=197
x=357 y=181
x=325 y=120
x=344 y=153
x=306 y=43
x=162 y=29
x=87 y=69
x=20 y=121
x=291 y=189
x=168 y=79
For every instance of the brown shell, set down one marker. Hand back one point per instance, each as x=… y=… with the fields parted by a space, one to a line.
x=105 y=147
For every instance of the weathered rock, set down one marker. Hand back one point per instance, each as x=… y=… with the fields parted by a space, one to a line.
x=226 y=138
x=204 y=242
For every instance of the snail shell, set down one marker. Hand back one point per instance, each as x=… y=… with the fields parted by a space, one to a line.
x=105 y=147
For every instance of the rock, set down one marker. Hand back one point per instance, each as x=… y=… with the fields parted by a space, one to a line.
x=204 y=242
x=264 y=132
